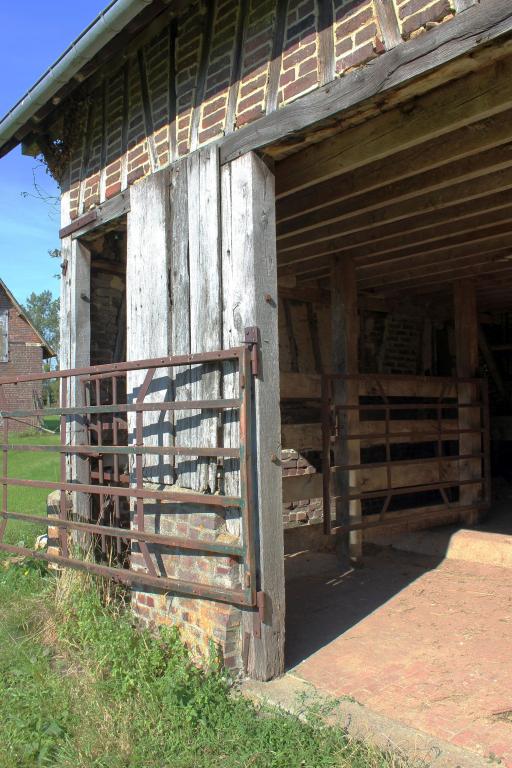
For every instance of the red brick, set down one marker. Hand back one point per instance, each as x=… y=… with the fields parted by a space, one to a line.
x=301 y=85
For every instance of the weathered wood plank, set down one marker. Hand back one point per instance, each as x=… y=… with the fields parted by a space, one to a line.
x=180 y=311
x=304 y=386
x=301 y=437
x=467 y=33
x=147 y=311
x=205 y=299
x=309 y=486
x=388 y=22
x=326 y=56
x=209 y=13
x=275 y=60
x=236 y=71
x=250 y=299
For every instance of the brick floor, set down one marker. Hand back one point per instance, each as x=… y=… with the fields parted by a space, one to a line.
x=427 y=643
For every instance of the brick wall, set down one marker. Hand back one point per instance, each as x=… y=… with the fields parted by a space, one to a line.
x=211 y=72
x=25 y=357
x=417 y=15
x=200 y=621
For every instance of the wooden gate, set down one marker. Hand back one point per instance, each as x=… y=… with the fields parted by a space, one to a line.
x=404 y=448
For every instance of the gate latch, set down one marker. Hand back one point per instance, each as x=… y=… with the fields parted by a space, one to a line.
x=252 y=340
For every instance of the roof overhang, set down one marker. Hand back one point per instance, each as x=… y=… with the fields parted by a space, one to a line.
x=74 y=65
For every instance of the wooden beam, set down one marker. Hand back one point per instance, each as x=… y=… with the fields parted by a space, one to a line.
x=422 y=228
x=466 y=353
x=390 y=133
x=440 y=283
x=75 y=351
x=489 y=254
x=465 y=34
x=467 y=141
x=388 y=23
x=277 y=50
x=112 y=209
x=242 y=22
x=489 y=238
x=308 y=437
x=490 y=186
x=172 y=96
x=345 y=340
x=179 y=287
x=147 y=109
x=470 y=141
x=448 y=175
x=82 y=221
x=399 y=249
x=250 y=299
x=326 y=55
x=209 y=12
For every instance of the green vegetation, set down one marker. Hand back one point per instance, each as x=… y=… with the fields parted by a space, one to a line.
x=82 y=687
x=32 y=501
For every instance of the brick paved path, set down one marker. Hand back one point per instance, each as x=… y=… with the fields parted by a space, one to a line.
x=436 y=656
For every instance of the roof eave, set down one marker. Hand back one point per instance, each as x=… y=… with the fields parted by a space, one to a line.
x=93 y=39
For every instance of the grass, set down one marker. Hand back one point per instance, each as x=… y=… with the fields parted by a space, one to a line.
x=82 y=687
x=29 y=466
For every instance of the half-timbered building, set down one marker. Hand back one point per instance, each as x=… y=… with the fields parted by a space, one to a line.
x=286 y=287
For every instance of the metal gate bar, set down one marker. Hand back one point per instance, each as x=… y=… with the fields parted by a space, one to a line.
x=243 y=550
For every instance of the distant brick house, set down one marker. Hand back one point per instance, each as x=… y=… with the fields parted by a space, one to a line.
x=22 y=351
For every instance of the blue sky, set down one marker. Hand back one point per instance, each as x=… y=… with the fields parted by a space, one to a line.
x=33 y=34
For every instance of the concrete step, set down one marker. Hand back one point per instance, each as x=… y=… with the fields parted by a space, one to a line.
x=469 y=545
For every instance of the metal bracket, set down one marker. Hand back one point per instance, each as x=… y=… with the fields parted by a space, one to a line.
x=259 y=613
x=252 y=340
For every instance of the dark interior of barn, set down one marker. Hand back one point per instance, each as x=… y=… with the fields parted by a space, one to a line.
x=395 y=270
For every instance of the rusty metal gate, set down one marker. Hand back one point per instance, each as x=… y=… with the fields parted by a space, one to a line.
x=99 y=433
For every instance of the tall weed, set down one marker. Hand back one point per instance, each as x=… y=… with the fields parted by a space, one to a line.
x=82 y=687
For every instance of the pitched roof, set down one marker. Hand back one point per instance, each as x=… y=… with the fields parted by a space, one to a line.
x=47 y=350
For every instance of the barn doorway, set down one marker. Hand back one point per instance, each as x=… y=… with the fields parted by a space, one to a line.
x=107 y=250
x=394 y=268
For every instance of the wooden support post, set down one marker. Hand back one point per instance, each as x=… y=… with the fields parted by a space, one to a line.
x=466 y=353
x=490 y=361
x=249 y=288
x=75 y=351
x=345 y=338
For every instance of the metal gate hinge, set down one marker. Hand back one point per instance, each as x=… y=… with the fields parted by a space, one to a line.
x=252 y=340
x=260 y=613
